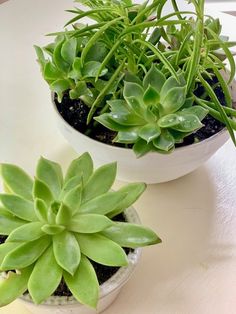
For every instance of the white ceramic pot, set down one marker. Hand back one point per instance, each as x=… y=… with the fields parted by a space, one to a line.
x=152 y=168
x=108 y=291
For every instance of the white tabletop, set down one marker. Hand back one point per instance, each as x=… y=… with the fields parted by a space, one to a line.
x=194 y=270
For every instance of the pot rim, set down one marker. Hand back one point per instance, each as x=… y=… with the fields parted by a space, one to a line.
x=124 y=149
x=112 y=284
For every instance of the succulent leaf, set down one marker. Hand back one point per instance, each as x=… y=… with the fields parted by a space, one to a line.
x=41 y=209
x=80 y=167
x=69 y=50
x=17 y=180
x=18 y=206
x=51 y=174
x=25 y=254
x=131 y=235
x=155 y=79
x=89 y=223
x=66 y=251
x=14 y=285
x=102 y=250
x=100 y=182
x=9 y=222
x=42 y=191
x=78 y=283
x=73 y=198
x=45 y=265
x=28 y=232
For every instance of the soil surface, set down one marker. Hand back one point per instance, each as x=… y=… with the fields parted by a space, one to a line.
x=75 y=113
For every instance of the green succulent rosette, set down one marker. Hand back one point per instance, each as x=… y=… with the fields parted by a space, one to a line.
x=55 y=227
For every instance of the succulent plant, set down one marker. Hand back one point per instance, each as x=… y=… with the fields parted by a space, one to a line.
x=91 y=62
x=154 y=115
x=56 y=226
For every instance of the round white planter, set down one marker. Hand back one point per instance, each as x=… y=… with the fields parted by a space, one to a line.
x=152 y=168
x=108 y=291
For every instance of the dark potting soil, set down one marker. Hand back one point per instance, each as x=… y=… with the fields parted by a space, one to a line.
x=75 y=112
x=2 y=238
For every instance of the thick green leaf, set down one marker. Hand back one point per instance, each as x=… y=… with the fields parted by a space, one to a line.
x=131 y=235
x=91 y=69
x=25 y=254
x=127 y=119
x=57 y=57
x=170 y=83
x=42 y=191
x=28 y=232
x=97 y=53
x=165 y=142
x=149 y=132
x=41 y=210
x=53 y=229
x=100 y=182
x=188 y=122
x=136 y=106
x=128 y=137
x=51 y=72
x=76 y=73
x=51 y=174
x=9 y=222
x=173 y=100
x=40 y=55
x=199 y=111
x=102 y=250
x=169 y=121
x=78 y=284
x=141 y=148
x=106 y=120
x=73 y=198
x=103 y=204
x=133 y=191
x=64 y=214
x=151 y=97
x=16 y=180
x=18 y=206
x=80 y=167
x=5 y=248
x=45 y=278
x=155 y=78
x=59 y=86
x=13 y=286
x=66 y=251
x=68 y=50
x=70 y=185
x=118 y=106
x=80 y=90
x=133 y=90
x=89 y=223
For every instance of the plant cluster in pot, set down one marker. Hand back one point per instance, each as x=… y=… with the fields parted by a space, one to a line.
x=68 y=242
x=142 y=87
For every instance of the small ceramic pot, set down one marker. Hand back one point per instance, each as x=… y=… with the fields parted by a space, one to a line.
x=153 y=167
x=108 y=291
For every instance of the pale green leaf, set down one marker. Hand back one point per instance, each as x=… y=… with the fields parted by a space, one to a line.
x=80 y=167
x=45 y=278
x=78 y=284
x=73 y=198
x=28 y=232
x=50 y=173
x=42 y=191
x=155 y=78
x=149 y=132
x=100 y=182
x=25 y=254
x=41 y=210
x=102 y=250
x=16 y=180
x=89 y=223
x=13 y=286
x=18 y=206
x=103 y=204
x=52 y=229
x=131 y=235
x=66 y=251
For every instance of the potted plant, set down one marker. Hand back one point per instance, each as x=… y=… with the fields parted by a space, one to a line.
x=152 y=83
x=66 y=236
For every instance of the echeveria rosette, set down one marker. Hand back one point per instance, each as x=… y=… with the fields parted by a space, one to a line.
x=154 y=115
x=63 y=68
x=55 y=226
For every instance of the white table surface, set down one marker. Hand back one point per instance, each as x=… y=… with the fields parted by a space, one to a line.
x=194 y=270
